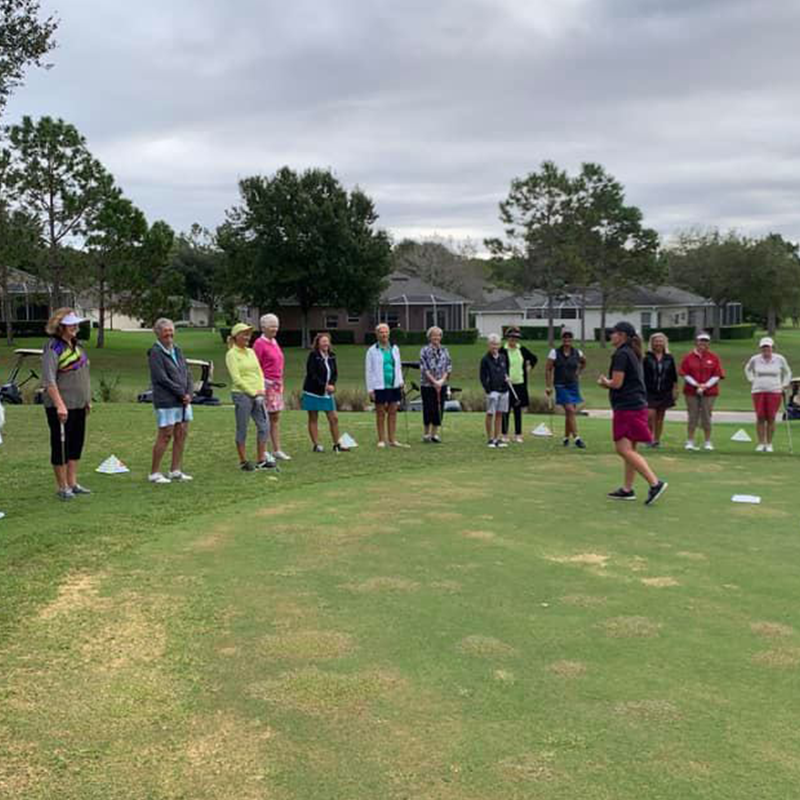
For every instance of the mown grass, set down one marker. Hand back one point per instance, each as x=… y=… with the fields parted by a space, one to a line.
x=125 y=358
x=442 y=622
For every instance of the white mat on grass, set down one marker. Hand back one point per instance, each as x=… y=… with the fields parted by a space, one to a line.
x=542 y=430
x=346 y=440
x=741 y=436
x=747 y=498
x=112 y=466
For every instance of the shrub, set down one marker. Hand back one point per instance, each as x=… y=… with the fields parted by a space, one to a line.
x=679 y=333
x=108 y=389
x=35 y=328
x=536 y=333
x=745 y=331
x=352 y=399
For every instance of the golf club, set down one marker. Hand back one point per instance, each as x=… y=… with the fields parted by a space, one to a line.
x=259 y=400
x=788 y=422
x=63 y=445
x=405 y=411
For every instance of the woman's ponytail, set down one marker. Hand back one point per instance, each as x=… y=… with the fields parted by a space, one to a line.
x=636 y=344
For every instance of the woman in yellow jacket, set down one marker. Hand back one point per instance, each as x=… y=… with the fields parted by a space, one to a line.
x=247 y=391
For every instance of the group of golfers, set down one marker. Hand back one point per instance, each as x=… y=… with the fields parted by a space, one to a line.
x=642 y=386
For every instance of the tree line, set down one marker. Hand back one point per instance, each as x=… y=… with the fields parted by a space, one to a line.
x=302 y=235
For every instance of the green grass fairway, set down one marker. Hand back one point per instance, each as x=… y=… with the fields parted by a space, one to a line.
x=448 y=623
x=125 y=358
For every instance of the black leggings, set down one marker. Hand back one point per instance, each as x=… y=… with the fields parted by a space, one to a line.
x=517 y=409
x=433 y=405
x=74 y=435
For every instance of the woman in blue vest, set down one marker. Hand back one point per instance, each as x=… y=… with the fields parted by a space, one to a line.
x=563 y=370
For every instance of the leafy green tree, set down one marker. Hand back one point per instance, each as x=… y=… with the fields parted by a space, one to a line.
x=55 y=178
x=25 y=39
x=711 y=264
x=771 y=286
x=540 y=216
x=204 y=266
x=613 y=250
x=116 y=233
x=154 y=287
x=303 y=236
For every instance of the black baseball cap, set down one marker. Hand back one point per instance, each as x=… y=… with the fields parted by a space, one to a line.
x=626 y=328
x=567 y=332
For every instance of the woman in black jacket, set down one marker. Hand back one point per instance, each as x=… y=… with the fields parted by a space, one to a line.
x=661 y=382
x=520 y=362
x=318 y=390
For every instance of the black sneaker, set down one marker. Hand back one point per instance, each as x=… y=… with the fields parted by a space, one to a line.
x=267 y=463
x=622 y=494
x=654 y=492
x=566 y=441
x=338 y=448
x=247 y=466
x=580 y=444
x=317 y=448
x=435 y=440
x=492 y=443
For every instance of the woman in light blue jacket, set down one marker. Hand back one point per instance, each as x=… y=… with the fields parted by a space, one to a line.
x=384 y=372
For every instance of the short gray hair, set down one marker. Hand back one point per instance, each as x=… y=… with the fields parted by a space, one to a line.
x=382 y=325
x=494 y=338
x=434 y=329
x=269 y=319
x=161 y=323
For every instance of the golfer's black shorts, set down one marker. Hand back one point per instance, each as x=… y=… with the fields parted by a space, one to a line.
x=384 y=397
x=74 y=435
x=433 y=405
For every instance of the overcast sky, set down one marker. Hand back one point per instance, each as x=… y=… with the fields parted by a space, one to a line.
x=432 y=106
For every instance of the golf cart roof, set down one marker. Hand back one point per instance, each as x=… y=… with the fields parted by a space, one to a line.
x=194 y=362
x=28 y=352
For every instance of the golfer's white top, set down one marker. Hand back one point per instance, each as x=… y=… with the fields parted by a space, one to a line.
x=768 y=376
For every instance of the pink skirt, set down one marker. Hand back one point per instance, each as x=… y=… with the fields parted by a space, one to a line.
x=273 y=397
x=631 y=424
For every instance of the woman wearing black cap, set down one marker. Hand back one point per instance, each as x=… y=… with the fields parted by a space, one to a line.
x=520 y=362
x=629 y=403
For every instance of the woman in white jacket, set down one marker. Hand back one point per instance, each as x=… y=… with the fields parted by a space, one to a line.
x=769 y=374
x=384 y=372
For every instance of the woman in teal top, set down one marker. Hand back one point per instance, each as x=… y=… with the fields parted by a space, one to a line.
x=520 y=362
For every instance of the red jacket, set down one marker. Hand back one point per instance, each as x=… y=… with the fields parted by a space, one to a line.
x=701 y=368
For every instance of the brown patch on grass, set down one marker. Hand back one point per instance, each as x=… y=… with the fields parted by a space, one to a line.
x=78 y=592
x=228 y=652
x=504 y=676
x=20 y=771
x=382 y=584
x=631 y=627
x=567 y=669
x=480 y=536
x=308 y=645
x=318 y=693
x=771 y=629
x=648 y=711
x=444 y=516
x=132 y=637
x=450 y=587
x=279 y=511
x=583 y=600
x=690 y=556
x=212 y=541
x=660 y=583
x=782 y=658
x=228 y=757
x=485 y=646
x=584 y=559
x=637 y=564
x=529 y=768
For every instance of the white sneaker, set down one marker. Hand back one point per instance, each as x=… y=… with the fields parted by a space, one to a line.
x=518 y=439
x=177 y=475
x=761 y=448
x=708 y=446
x=381 y=444
x=768 y=448
x=279 y=455
x=158 y=477
x=691 y=446
x=401 y=445
x=502 y=443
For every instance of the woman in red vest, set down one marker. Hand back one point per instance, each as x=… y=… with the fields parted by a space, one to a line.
x=702 y=371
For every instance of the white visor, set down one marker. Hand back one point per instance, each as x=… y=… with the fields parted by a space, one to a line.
x=72 y=319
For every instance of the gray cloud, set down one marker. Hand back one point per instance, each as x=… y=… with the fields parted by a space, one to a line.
x=432 y=107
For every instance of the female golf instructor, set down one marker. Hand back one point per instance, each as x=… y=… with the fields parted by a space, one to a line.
x=67 y=400
x=629 y=403
x=319 y=388
x=770 y=374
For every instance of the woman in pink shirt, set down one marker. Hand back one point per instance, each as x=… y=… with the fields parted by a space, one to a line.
x=270 y=356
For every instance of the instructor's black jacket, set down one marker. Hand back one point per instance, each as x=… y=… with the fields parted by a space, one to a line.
x=315 y=382
x=494 y=372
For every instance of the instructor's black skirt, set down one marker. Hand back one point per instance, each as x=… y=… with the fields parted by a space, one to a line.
x=74 y=435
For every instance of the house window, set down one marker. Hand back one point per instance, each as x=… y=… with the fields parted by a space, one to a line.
x=331 y=321
x=647 y=319
x=353 y=319
x=440 y=319
x=535 y=313
x=391 y=318
x=568 y=313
